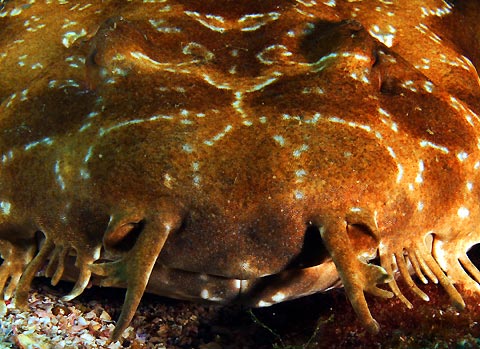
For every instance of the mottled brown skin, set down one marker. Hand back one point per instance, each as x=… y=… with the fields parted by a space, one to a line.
x=199 y=141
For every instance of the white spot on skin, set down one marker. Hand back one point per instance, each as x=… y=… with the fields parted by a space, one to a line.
x=385 y=36
x=410 y=85
x=62 y=84
x=224 y=86
x=393 y=126
x=362 y=77
x=5 y=207
x=462 y=156
x=291 y=34
x=421 y=168
x=384 y=112
x=219 y=136
x=158 y=25
x=16 y=11
x=10 y=100
x=469 y=186
x=68 y=23
x=278 y=297
x=58 y=175
x=298 y=194
x=187 y=148
x=64 y=218
x=46 y=141
x=313 y=90
x=21 y=62
x=316 y=117
x=273 y=54
x=144 y=60
x=428 y=86
x=104 y=131
x=196 y=180
x=261 y=85
x=70 y=37
x=197 y=50
x=425 y=65
x=424 y=144
x=211 y=22
x=420 y=206
x=257 y=20
x=463 y=212
x=279 y=139
x=400 y=173
x=435 y=38
x=8 y=156
x=337 y=120
x=237 y=104
x=37 y=65
x=89 y=154
x=84 y=173
x=320 y=64
x=298 y=152
x=360 y=57
x=160 y=117
x=300 y=173
x=205 y=294
x=392 y=153
x=167 y=181
x=456 y=63
x=93 y=114
x=84 y=127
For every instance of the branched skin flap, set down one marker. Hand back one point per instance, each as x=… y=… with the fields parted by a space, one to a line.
x=240 y=151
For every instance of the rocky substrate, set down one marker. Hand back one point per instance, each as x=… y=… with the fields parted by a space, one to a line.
x=319 y=321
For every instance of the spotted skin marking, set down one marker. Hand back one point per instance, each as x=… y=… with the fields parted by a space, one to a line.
x=189 y=146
